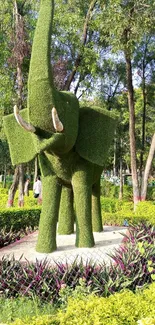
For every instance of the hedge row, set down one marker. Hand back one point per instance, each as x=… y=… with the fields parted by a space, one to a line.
x=114 y=212
x=124 y=308
x=20 y=218
x=124 y=214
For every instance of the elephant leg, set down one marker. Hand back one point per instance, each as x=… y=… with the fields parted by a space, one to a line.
x=66 y=212
x=96 y=208
x=49 y=215
x=82 y=188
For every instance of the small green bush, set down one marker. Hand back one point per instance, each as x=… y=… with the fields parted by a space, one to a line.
x=124 y=308
x=11 y=309
x=40 y=320
x=146 y=321
x=29 y=201
x=114 y=205
x=118 y=214
x=110 y=190
x=3 y=191
x=119 y=309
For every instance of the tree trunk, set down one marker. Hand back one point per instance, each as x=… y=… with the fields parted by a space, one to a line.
x=147 y=169
x=121 y=172
x=4 y=180
x=143 y=121
x=21 y=186
x=114 y=162
x=18 y=17
x=35 y=169
x=13 y=188
x=136 y=194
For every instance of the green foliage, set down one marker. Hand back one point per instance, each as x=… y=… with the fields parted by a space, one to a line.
x=40 y=320
x=115 y=212
x=19 y=218
x=124 y=308
x=9 y=237
x=134 y=18
x=3 y=191
x=147 y=321
x=108 y=189
x=11 y=309
x=113 y=205
x=29 y=201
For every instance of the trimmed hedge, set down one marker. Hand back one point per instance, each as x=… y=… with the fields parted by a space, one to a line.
x=114 y=212
x=119 y=213
x=147 y=321
x=114 y=205
x=124 y=308
x=20 y=218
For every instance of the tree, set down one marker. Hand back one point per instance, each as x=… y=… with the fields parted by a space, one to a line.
x=19 y=52
x=131 y=20
x=145 y=64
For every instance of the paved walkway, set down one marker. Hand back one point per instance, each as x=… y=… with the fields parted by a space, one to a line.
x=106 y=242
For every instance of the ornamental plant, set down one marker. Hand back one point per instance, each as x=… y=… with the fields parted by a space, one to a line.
x=132 y=267
x=9 y=237
x=146 y=321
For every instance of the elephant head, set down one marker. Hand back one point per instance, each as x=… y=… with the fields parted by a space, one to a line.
x=51 y=118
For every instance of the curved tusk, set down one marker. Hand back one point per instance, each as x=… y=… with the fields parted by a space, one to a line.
x=28 y=127
x=56 y=122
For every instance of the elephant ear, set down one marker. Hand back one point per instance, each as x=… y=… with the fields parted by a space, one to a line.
x=96 y=132
x=20 y=141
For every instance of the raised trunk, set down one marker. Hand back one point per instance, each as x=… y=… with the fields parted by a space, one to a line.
x=41 y=93
x=136 y=194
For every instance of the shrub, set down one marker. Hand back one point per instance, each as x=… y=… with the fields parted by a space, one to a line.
x=132 y=266
x=118 y=218
x=3 y=191
x=40 y=320
x=11 y=309
x=29 y=201
x=20 y=218
x=112 y=191
x=145 y=212
x=109 y=190
x=146 y=321
x=114 y=205
x=8 y=237
x=123 y=308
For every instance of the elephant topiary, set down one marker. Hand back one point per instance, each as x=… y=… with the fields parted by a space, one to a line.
x=71 y=142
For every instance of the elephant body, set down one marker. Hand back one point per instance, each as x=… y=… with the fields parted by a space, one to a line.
x=66 y=173
x=71 y=142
